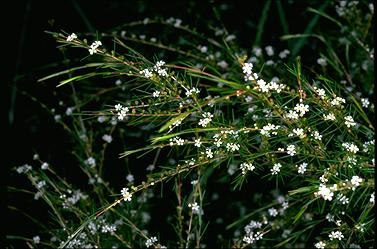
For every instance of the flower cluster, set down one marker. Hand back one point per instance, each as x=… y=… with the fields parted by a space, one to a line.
x=246 y=167
x=125 y=194
x=121 y=111
x=207 y=118
x=157 y=68
x=93 y=47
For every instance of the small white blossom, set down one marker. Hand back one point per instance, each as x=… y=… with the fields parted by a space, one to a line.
x=232 y=147
x=41 y=184
x=150 y=241
x=71 y=37
x=349 y=121
x=69 y=111
x=336 y=235
x=156 y=94
x=207 y=118
x=299 y=132
x=291 y=150
x=337 y=101
x=36 y=239
x=322 y=61
x=342 y=199
x=301 y=109
x=372 y=199
x=365 y=102
x=147 y=73
x=269 y=50
x=325 y=192
x=209 y=153
x=276 y=168
x=107 y=138
x=196 y=209
x=316 y=135
x=321 y=92
x=292 y=115
x=320 y=245
x=350 y=147
x=283 y=54
x=94 y=46
x=246 y=167
x=90 y=162
x=24 y=169
x=272 y=212
x=126 y=195
x=44 y=166
x=269 y=129
x=355 y=181
x=130 y=178
x=329 y=116
x=101 y=119
x=197 y=142
x=302 y=168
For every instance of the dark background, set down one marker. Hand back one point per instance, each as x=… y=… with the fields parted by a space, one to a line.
x=33 y=55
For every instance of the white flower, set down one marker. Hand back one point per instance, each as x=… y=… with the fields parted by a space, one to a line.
x=299 y=132
x=147 y=73
x=269 y=128
x=90 y=162
x=316 y=135
x=57 y=117
x=337 y=101
x=121 y=111
x=336 y=235
x=322 y=61
x=41 y=184
x=223 y=64
x=107 y=138
x=276 y=168
x=349 y=121
x=232 y=147
x=321 y=92
x=291 y=150
x=101 y=119
x=36 y=239
x=196 y=209
x=246 y=167
x=372 y=199
x=150 y=241
x=283 y=54
x=197 y=142
x=355 y=181
x=209 y=153
x=126 y=195
x=69 y=111
x=44 y=166
x=130 y=178
x=269 y=50
x=257 y=51
x=302 y=168
x=272 y=212
x=207 y=118
x=94 y=46
x=301 y=109
x=325 y=192
x=320 y=245
x=350 y=147
x=342 y=199
x=292 y=114
x=329 y=116
x=365 y=102
x=156 y=94
x=71 y=37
